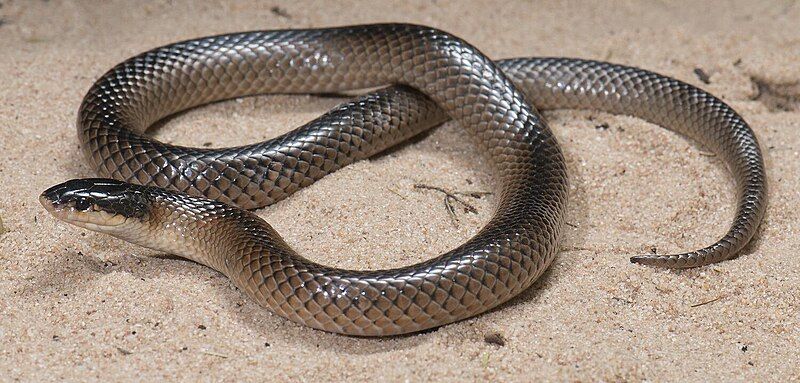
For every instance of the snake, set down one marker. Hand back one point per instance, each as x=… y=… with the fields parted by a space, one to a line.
x=196 y=202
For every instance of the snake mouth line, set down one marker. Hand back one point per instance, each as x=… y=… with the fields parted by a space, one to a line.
x=67 y=212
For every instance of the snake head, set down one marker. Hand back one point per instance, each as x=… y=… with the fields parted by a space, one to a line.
x=95 y=203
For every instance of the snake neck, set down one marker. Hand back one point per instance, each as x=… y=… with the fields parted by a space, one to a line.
x=197 y=229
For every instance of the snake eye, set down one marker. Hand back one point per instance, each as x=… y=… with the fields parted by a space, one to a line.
x=82 y=204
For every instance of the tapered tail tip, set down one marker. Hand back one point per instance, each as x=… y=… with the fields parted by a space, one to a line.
x=673 y=261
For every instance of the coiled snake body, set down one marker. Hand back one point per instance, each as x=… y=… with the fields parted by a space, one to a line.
x=437 y=76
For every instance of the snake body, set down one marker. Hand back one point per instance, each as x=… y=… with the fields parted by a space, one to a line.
x=437 y=76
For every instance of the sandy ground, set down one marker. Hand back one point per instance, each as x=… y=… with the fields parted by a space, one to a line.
x=77 y=305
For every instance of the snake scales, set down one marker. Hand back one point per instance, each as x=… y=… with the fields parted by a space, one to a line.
x=436 y=76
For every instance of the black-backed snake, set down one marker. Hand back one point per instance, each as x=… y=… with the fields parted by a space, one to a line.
x=455 y=80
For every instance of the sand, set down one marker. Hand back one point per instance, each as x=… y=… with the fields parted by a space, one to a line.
x=76 y=305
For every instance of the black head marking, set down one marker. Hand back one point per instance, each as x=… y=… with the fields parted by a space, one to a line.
x=109 y=195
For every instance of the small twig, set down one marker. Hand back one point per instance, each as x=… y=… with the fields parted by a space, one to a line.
x=623 y=300
x=496 y=339
x=707 y=302
x=707 y=154
x=429 y=187
x=702 y=75
x=474 y=194
x=123 y=351
x=214 y=354
x=280 y=12
x=395 y=192
x=450 y=209
x=449 y=196
x=467 y=207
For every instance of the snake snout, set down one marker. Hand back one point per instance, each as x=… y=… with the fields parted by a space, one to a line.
x=48 y=203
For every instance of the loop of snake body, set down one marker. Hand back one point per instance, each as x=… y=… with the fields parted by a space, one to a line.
x=436 y=76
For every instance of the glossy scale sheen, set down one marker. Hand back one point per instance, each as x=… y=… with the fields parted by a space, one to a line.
x=437 y=77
